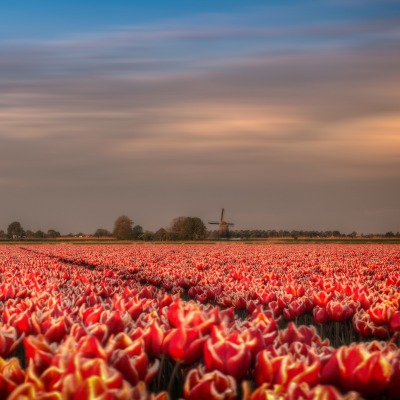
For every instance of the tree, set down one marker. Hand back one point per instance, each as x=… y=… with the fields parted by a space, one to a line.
x=39 y=234
x=29 y=234
x=137 y=232
x=148 y=236
x=15 y=230
x=123 y=228
x=102 y=233
x=52 y=234
x=161 y=235
x=187 y=228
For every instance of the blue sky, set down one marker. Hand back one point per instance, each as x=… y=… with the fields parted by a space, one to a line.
x=286 y=113
x=26 y=19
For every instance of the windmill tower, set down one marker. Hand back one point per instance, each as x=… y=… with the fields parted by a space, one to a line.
x=223 y=228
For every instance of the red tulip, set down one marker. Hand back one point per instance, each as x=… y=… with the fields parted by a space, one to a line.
x=364 y=301
x=254 y=341
x=380 y=332
x=99 y=331
x=157 y=333
x=394 y=322
x=297 y=307
x=113 y=321
x=11 y=375
x=134 y=368
x=51 y=379
x=265 y=368
x=320 y=315
x=21 y=322
x=322 y=298
x=9 y=340
x=145 y=336
x=380 y=313
x=268 y=326
x=57 y=330
x=39 y=351
x=355 y=368
x=298 y=371
x=261 y=393
x=212 y=385
x=90 y=347
x=290 y=334
x=122 y=341
x=140 y=392
x=326 y=392
x=26 y=391
x=363 y=324
x=88 y=378
x=92 y=315
x=228 y=354
x=176 y=313
x=311 y=336
x=91 y=388
x=339 y=311
x=184 y=345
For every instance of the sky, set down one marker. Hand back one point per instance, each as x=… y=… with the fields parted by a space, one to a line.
x=285 y=113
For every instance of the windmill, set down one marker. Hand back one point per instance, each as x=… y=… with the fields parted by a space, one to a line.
x=223 y=229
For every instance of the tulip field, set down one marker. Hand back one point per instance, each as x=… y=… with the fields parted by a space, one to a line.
x=201 y=321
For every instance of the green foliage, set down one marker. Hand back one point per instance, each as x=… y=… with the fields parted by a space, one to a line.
x=123 y=228
x=148 y=236
x=15 y=230
x=102 y=233
x=137 y=232
x=187 y=228
x=161 y=235
x=52 y=234
x=39 y=234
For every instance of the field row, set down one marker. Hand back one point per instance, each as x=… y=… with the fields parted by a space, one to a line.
x=198 y=321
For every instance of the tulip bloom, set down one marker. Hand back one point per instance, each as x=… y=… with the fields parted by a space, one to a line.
x=212 y=385
x=11 y=375
x=285 y=370
x=355 y=368
x=381 y=313
x=9 y=340
x=228 y=355
x=320 y=315
x=134 y=368
x=338 y=311
x=90 y=347
x=184 y=345
x=39 y=351
x=290 y=334
x=268 y=326
x=254 y=341
x=394 y=322
x=57 y=329
x=322 y=298
x=298 y=371
x=326 y=392
x=265 y=368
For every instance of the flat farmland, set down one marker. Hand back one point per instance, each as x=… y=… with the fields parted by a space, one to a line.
x=224 y=321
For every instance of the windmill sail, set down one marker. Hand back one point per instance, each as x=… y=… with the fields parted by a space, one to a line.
x=223 y=229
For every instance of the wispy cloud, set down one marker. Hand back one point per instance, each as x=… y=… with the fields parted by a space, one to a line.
x=190 y=102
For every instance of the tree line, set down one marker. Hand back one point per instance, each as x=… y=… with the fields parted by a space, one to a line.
x=15 y=231
x=181 y=228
